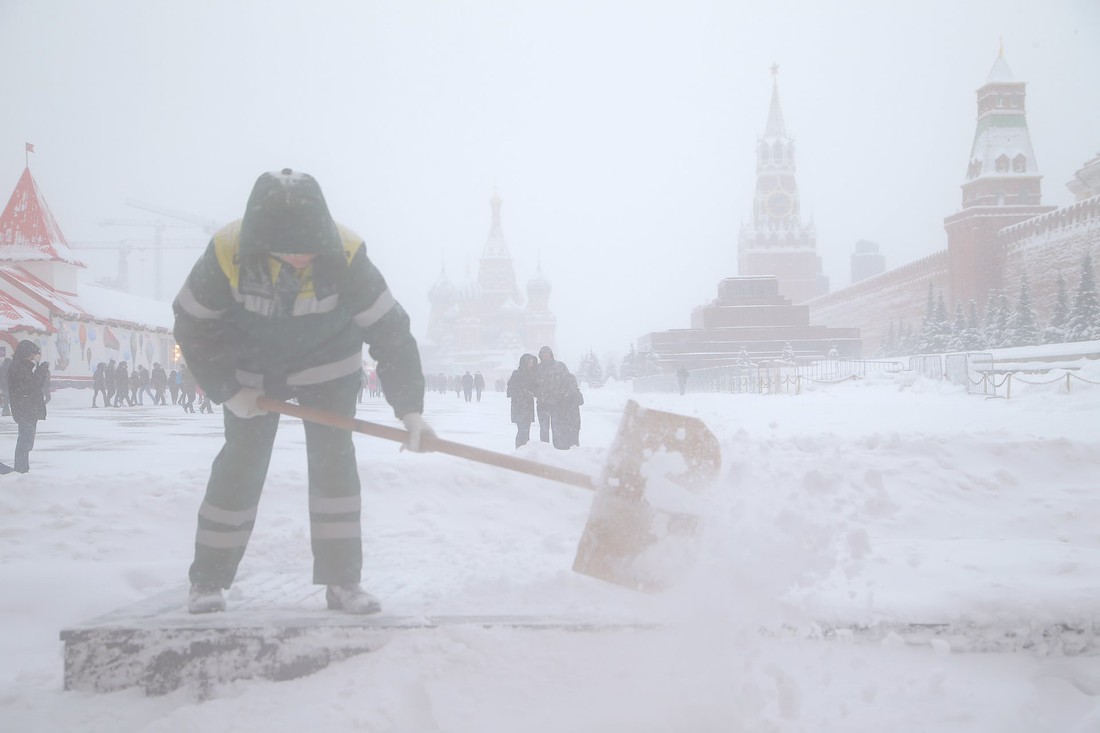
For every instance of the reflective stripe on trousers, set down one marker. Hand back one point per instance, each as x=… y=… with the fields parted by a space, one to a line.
x=236 y=481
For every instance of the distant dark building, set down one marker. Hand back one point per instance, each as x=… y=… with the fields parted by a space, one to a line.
x=749 y=314
x=866 y=261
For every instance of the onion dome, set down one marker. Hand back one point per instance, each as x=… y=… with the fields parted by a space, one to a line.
x=538 y=287
x=443 y=291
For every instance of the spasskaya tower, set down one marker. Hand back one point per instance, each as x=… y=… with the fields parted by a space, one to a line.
x=776 y=242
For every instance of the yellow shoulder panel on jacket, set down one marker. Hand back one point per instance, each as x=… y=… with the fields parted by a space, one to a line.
x=227 y=245
x=352 y=241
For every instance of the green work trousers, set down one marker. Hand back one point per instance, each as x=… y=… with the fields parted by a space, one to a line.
x=228 y=511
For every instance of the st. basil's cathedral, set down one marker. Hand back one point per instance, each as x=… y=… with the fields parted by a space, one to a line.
x=485 y=323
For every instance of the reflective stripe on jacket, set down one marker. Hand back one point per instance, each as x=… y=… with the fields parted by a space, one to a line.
x=233 y=332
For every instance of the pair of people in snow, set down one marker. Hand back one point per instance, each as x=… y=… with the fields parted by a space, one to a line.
x=280 y=305
x=546 y=388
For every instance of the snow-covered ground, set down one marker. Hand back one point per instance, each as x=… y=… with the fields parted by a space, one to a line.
x=893 y=500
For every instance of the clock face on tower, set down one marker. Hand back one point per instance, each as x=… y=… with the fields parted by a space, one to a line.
x=779 y=204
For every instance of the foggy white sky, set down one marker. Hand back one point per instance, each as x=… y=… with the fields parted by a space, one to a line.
x=620 y=135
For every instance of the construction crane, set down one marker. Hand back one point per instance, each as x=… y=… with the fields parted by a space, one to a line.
x=122 y=280
x=158 y=246
x=209 y=226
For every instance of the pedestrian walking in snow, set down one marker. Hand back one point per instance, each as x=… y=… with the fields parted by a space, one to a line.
x=187 y=389
x=204 y=401
x=521 y=391
x=174 y=386
x=145 y=386
x=281 y=304
x=28 y=406
x=551 y=391
x=159 y=380
x=122 y=385
x=479 y=384
x=135 y=387
x=109 y=378
x=468 y=386
x=682 y=379
x=567 y=417
x=99 y=383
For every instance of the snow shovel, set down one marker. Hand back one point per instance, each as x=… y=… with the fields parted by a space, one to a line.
x=622 y=541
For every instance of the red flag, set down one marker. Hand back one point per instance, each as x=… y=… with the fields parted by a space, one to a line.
x=109 y=339
x=30 y=148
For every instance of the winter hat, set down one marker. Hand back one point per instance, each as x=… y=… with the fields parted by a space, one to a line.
x=26 y=349
x=287 y=214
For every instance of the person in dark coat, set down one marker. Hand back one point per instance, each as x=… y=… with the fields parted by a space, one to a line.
x=174 y=386
x=479 y=384
x=682 y=378
x=99 y=384
x=28 y=406
x=109 y=378
x=521 y=391
x=467 y=386
x=122 y=385
x=550 y=388
x=159 y=380
x=187 y=389
x=567 y=414
x=145 y=383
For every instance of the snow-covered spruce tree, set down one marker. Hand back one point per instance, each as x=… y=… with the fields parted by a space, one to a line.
x=941 y=333
x=996 y=319
x=1023 y=328
x=1084 y=319
x=934 y=332
x=650 y=364
x=957 y=342
x=1055 y=332
x=627 y=370
x=590 y=372
x=924 y=335
x=788 y=353
x=975 y=339
x=609 y=371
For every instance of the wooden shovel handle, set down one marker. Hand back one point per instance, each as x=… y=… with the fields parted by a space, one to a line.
x=429 y=443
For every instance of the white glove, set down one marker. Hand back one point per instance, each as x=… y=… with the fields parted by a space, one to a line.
x=418 y=428
x=243 y=404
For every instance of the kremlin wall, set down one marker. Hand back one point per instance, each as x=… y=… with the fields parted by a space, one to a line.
x=1001 y=235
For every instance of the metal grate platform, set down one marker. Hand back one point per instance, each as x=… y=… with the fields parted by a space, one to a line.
x=276 y=628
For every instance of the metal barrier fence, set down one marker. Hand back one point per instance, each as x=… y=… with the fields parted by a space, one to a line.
x=977 y=371
x=775 y=377
x=999 y=384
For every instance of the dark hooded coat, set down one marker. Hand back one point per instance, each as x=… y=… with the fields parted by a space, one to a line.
x=25 y=386
x=244 y=315
x=521 y=390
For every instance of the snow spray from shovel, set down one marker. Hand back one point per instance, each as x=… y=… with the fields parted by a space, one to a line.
x=634 y=537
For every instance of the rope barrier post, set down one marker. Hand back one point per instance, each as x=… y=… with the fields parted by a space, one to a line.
x=1067 y=382
x=1008 y=389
